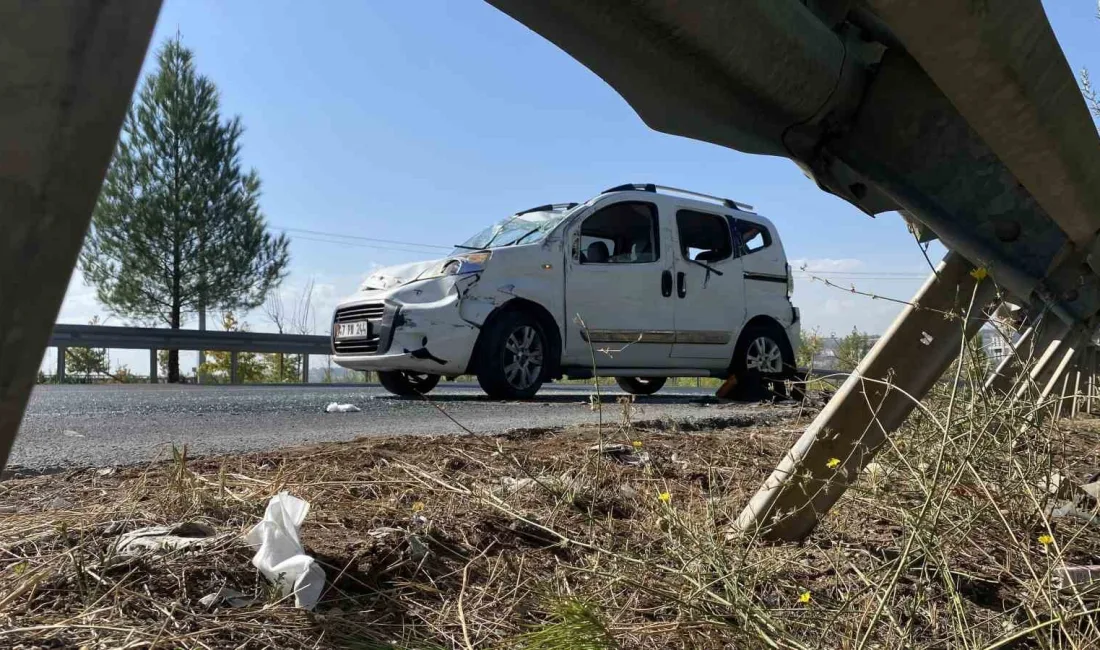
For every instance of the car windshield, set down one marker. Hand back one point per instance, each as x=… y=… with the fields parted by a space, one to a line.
x=523 y=228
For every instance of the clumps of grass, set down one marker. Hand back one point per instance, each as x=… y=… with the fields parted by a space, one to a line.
x=573 y=624
x=552 y=541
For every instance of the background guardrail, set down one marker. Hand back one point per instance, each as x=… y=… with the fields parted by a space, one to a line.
x=154 y=339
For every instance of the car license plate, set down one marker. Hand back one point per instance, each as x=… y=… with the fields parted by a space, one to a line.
x=359 y=329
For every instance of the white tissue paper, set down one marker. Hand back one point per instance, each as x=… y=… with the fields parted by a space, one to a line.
x=280 y=556
x=342 y=408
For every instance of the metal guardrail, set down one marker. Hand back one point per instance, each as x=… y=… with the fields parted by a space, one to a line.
x=154 y=339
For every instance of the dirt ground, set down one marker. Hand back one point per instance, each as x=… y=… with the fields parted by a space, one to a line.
x=540 y=540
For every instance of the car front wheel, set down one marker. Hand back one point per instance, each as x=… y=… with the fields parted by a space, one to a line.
x=641 y=385
x=513 y=357
x=407 y=384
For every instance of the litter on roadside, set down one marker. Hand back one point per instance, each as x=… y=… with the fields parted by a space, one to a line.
x=226 y=596
x=333 y=407
x=625 y=454
x=1072 y=578
x=182 y=536
x=280 y=556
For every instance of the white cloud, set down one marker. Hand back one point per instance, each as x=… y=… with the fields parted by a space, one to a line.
x=827 y=264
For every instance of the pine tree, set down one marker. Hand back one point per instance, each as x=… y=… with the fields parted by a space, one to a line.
x=177 y=228
x=87 y=361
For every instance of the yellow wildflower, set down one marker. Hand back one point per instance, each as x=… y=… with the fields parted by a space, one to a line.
x=637 y=444
x=804 y=598
x=665 y=497
x=833 y=462
x=418 y=506
x=1046 y=540
x=979 y=273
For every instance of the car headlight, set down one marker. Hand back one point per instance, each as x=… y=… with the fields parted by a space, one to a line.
x=467 y=263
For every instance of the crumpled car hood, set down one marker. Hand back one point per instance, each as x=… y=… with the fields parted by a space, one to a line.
x=395 y=276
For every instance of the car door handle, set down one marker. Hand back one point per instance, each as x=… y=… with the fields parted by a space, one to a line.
x=681 y=285
x=666 y=284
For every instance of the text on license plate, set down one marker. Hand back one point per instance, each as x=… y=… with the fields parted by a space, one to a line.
x=359 y=329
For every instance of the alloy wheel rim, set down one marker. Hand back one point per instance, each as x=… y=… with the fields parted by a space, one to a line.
x=523 y=357
x=764 y=356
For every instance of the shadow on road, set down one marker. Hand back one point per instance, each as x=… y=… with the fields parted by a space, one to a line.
x=609 y=399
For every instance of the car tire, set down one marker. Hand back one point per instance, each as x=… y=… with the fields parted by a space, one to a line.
x=407 y=384
x=513 y=356
x=762 y=362
x=641 y=385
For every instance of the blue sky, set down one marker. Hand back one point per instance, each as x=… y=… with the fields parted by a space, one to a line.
x=425 y=121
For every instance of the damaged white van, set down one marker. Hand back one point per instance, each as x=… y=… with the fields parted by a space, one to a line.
x=640 y=283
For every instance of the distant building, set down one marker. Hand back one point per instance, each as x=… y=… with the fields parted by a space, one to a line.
x=997 y=345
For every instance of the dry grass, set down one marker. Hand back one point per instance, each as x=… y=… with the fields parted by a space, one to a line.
x=535 y=541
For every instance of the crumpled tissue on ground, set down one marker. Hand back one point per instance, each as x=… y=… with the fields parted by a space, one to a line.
x=280 y=557
x=341 y=408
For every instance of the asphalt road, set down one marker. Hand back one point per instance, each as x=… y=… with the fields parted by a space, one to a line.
x=97 y=426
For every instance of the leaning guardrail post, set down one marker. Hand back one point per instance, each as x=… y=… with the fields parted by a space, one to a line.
x=68 y=72
x=1044 y=374
x=876 y=398
x=1031 y=359
x=1077 y=389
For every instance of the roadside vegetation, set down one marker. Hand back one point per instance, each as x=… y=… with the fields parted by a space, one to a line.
x=611 y=536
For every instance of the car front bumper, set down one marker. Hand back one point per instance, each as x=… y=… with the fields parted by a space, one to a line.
x=429 y=337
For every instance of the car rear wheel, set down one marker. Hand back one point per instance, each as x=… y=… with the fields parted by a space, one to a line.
x=513 y=357
x=641 y=385
x=407 y=384
x=762 y=362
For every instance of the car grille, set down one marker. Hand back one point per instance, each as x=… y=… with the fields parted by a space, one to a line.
x=371 y=312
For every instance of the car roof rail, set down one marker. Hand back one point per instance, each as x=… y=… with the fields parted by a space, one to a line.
x=628 y=187
x=650 y=187
x=549 y=207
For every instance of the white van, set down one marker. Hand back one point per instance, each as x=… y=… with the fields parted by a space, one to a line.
x=640 y=283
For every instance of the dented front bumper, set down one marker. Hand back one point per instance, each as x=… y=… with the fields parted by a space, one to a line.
x=429 y=326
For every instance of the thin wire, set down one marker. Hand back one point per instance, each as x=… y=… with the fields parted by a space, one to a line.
x=358 y=245
x=358 y=237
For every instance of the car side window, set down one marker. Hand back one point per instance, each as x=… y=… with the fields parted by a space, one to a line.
x=703 y=237
x=750 y=237
x=621 y=233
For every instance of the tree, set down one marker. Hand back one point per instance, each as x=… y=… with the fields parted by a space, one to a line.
x=178 y=228
x=87 y=361
x=810 y=345
x=219 y=365
x=297 y=319
x=851 y=349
